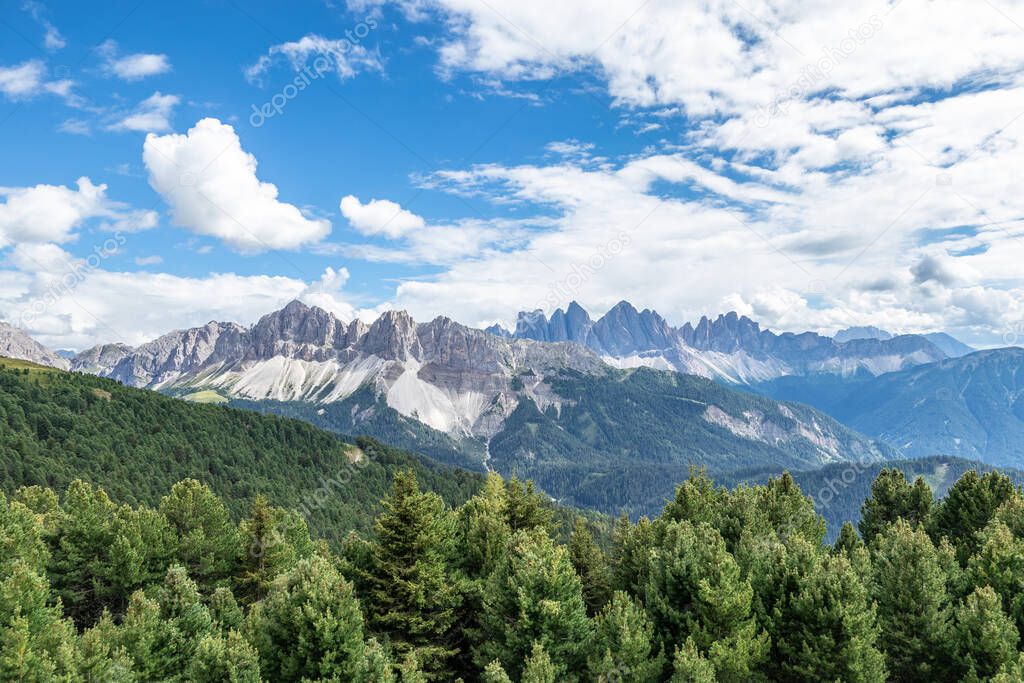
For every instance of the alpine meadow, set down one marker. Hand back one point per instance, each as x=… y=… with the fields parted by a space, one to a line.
x=508 y=341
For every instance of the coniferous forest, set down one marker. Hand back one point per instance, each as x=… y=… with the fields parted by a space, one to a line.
x=722 y=586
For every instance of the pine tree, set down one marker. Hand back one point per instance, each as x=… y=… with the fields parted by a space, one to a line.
x=218 y=658
x=271 y=541
x=833 y=629
x=632 y=545
x=36 y=642
x=534 y=597
x=695 y=590
x=524 y=508
x=984 y=638
x=309 y=626
x=208 y=541
x=539 y=668
x=623 y=648
x=909 y=587
x=967 y=509
x=161 y=633
x=483 y=530
x=21 y=538
x=690 y=666
x=412 y=598
x=591 y=566
x=999 y=563
x=892 y=498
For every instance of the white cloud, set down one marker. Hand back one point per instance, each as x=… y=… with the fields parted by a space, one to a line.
x=73 y=306
x=148 y=260
x=22 y=81
x=151 y=116
x=379 y=217
x=211 y=185
x=132 y=67
x=52 y=39
x=343 y=56
x=75 y=127
x=52 y=213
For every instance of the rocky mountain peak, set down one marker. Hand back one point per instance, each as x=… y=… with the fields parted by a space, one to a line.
x=15 y=343
x=392 y=336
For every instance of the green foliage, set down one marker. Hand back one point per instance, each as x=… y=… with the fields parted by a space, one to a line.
x=893 y=498
x=724 y=586
x=136 y=444
x=624 y=646
x=535 y=596
x=591 y=566
x=967 y=509
x=310 y=627
x=412 y=599
x=909 y=585
x=984 y=638
x=695 y=591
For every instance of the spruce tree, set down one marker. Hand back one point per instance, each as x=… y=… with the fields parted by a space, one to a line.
x=623 y=648
x=412 y=599
x=592 y=567
x=909 y=586
x=984 y=639
x=892 y=498
x=309 y=626
x=534 y=597
x=695 y=591
x=967 y=509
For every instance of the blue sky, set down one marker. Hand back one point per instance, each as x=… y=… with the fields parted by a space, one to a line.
x=810 y=166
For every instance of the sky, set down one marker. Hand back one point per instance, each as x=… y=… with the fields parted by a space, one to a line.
x=813 y=165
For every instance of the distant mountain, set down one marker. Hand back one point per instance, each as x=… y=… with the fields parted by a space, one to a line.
x=552 y=410
x=15 y=343
x=972 y=406
x=867 y=332
x=951 y=346
x=729 y=348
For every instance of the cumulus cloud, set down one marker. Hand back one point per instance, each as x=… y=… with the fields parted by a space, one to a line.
x=151 y=116
x=132 y=67
x=75 y=305
x=379 y=217
x=52 y=213
x=345 y=57
x=210 y=183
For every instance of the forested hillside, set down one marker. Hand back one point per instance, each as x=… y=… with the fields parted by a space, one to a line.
x=56 y=427
x=618 y=440
x=729 y=587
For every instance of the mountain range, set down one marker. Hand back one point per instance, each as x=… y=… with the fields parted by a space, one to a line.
x=606 y=413
x=730 y=348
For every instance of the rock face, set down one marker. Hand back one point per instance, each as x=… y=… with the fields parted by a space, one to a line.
x=730 y=347
x=449 y=376
x=15 y=343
